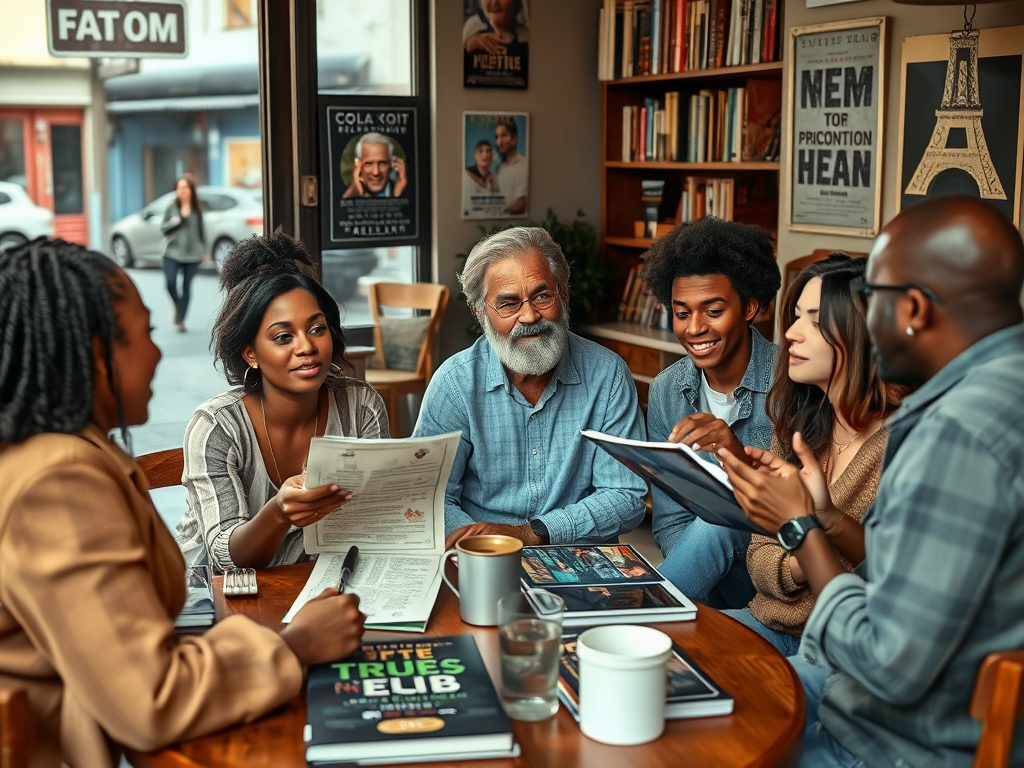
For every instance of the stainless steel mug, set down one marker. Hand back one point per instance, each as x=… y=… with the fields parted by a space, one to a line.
x=489 y=569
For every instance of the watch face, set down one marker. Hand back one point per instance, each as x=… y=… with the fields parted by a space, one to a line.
x=791 y=534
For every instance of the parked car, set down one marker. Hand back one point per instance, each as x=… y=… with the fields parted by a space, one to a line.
x=341 y=271
x=21 y=219
x=230 y=214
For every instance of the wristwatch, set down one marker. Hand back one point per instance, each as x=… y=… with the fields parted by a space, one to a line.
x=540 y=531
x=792 y=532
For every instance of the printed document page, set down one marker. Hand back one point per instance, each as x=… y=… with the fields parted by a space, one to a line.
x=395 y=517
x=398 y=491
x=392 y=589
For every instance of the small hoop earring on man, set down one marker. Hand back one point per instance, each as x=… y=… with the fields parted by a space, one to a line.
x=245 y=376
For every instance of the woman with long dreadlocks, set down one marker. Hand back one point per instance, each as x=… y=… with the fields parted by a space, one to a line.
x=90 y=578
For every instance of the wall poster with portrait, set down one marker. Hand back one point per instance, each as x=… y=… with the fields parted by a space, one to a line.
x=370 y=159
x=836 y=103
x=495 y=43
x=495 y=176
x=962 y=118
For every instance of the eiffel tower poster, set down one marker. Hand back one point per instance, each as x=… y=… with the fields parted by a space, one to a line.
x=962 y=118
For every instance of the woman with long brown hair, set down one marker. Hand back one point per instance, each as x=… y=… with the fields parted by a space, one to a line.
x=184 y=245
x=828 y=405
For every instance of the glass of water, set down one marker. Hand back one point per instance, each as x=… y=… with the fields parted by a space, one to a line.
x=530 y=633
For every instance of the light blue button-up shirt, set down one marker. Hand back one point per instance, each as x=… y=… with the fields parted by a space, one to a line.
x=518 y=462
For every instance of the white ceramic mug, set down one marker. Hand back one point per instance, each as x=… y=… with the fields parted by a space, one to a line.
x=489 y=569
x=615 y=659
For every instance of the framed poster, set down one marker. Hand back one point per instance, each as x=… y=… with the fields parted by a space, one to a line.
x=495 y=43
x=495 y=174
x=836 y=119
x=961 y=118
x=370 y=170
x=243 y=163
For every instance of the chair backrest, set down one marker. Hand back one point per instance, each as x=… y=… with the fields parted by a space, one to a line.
x=15 y=728
x=998 y=701
x=425 y=296
x=163 y=468
x=796 y=266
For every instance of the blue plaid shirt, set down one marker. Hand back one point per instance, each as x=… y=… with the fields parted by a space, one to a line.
x=518 y=462
x=943 y=582
x=676 y=393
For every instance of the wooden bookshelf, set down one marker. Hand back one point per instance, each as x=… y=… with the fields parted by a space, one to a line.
x=649 y=350
x=761 y=165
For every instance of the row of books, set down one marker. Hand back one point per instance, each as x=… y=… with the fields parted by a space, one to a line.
x=638 y=304
x=706 y=196
x=733 y=125
x=652 y=37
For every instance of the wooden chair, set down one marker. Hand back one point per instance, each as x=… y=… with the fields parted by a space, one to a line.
x=15 y=728
x=998 y=701
x=393 y=384
x=163 y=468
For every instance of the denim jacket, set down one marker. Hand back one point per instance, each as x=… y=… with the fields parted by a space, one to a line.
x=675 y=394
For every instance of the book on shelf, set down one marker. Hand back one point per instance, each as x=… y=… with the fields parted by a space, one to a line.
x=689 y=691
x=651 y=37
x=686 y=478
x=198 y=612
x=604 y=584
x=395 y=517
x=405 y=701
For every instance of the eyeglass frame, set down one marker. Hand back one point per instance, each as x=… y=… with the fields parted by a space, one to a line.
x=522 y=303
x=863 y=287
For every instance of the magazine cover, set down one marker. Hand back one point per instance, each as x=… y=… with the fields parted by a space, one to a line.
x=371 y=156
x=496 y=177
x=495 y=43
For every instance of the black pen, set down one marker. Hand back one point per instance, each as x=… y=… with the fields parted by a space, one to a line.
x=347 y=567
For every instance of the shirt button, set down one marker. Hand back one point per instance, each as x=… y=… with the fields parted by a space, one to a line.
x=534 y=451
x=533 y=416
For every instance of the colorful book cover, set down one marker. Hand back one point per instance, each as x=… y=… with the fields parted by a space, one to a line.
x=402 y=699
x=689 y=691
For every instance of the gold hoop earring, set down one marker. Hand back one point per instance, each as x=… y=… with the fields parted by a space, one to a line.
x=245 y=376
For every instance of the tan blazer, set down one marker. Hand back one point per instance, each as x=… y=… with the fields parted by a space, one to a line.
x=90 y=580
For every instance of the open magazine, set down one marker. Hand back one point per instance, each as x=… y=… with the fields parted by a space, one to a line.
x=685 y=477
x=395 y=517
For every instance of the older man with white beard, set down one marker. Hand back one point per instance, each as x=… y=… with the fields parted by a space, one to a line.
x=520 y=395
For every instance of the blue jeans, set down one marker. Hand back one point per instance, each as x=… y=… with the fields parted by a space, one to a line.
x=787 y=645
x=820 y=749
x=188 y=270
x=709 y=563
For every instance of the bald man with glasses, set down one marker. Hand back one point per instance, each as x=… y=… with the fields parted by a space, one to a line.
x=520 y=396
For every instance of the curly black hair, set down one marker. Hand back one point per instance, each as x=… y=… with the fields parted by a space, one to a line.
x=711 y=246
x=257 y=271
x=55 y=298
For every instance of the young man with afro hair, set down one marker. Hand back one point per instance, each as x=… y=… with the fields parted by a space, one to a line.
x=714 y=277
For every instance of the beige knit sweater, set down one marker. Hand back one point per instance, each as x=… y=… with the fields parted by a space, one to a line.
x=780 y=603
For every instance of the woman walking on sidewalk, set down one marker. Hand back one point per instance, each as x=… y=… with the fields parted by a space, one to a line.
x=184 y=245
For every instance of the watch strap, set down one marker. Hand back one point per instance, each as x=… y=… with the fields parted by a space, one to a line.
x=540 y=531
x=793 y=532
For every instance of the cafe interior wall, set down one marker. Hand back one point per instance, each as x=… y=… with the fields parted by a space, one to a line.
x=903 y=21
x=564 y=103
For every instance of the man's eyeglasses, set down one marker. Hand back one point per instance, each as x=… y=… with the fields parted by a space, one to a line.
x=859 y=285
x=507 y=308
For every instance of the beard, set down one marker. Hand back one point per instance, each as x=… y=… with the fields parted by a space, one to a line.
x=547 y=342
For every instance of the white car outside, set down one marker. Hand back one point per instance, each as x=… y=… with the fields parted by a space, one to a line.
x=21 y=219
x=230 y=214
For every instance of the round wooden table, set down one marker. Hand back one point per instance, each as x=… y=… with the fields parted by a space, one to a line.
x=765 y=729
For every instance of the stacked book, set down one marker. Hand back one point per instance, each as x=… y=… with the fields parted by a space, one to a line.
x=657 y=37
x=198 y=611
x=732 y=125
x=639 y=305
